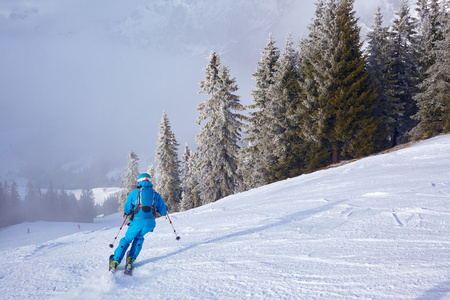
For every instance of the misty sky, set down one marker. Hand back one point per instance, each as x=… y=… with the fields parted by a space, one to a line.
x=85 y=80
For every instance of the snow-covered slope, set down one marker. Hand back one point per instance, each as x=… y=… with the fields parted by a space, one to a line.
x=377 y=228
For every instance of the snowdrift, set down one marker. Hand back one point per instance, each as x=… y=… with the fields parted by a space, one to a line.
x=375 y=228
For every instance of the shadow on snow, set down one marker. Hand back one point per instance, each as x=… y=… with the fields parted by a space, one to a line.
x=297 y=216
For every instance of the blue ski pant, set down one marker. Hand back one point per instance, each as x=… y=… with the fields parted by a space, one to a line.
x=135 y=236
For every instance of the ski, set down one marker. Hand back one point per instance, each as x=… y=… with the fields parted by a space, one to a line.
x=128 y=269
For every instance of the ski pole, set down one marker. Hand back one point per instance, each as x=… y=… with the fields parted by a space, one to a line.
x=112 y=245
x=174 y=231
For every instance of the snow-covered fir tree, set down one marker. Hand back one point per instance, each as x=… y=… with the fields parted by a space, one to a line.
x=168 y=168
x=337 y=111
x=189 y=184
x=151 y=172
x=129 y=179
x=429 y=31
x=380 y=64
x=185 y=205
x=404 y=67
x=283 y=132
x=255 y=157
x=351 y=127
x=433 y=99
x=219 y=136
x=316 y=54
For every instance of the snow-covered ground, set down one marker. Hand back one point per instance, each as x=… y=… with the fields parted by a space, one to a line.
x=377 y=228
x=100 y=194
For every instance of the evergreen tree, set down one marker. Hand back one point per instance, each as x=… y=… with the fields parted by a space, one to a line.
x=3 y=210
x=433 y=100
x=110 y=205
x=351 y=125
x=31 y=203
x=219 y=136
x=15 y=205
x=316 y=53
x=189 y=186
x=129 y=180
x=380 y=67
x=184 y=204
x=72 y=207
x=339 y=100
x=51 y=204
x=87 y=206
x=429 y=31
x=305 y=138
x=151 y=172
x=5 y=206
x=34 y=203
x=68 y=206
x=10 y=205
x=255 y=158
x=285 y=95
x=404 y=67
x=169 y=185
x=193 y=181
x=309 y=111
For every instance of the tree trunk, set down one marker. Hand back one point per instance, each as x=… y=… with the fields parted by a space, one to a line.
x=335 y=156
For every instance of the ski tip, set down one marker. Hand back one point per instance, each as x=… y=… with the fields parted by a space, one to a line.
x=128 y=272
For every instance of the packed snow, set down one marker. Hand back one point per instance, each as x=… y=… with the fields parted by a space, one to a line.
x=376 y=228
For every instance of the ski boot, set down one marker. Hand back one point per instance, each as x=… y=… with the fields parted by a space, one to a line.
x=129 y=265
x=112 y=264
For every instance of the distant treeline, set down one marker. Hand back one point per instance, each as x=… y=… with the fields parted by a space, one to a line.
x=52 y=205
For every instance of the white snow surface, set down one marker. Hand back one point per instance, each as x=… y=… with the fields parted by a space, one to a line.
x=100 y=194
x=376 y=228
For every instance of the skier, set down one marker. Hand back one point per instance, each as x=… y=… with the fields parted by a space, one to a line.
x=141 y=205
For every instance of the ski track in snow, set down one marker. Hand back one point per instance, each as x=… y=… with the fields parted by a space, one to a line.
x=377 y=228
